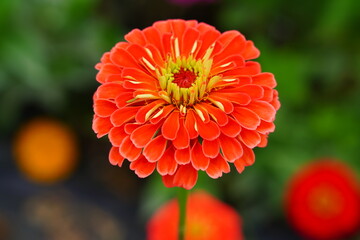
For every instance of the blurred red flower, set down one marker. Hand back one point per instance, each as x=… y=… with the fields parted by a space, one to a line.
x=323 y=201
x=207 y=219
x=180 y=97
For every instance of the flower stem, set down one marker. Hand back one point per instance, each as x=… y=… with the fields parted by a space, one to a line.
x=182 y=199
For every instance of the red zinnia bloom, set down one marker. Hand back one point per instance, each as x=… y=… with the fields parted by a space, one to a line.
x=180 y=96
x=207 y=219
x=322 y=201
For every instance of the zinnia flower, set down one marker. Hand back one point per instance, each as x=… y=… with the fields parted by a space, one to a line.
x=207 y=219
x=180 y=97
x=322 y=201
x=45 y=150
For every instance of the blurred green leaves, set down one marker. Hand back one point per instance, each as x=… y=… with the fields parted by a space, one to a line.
x=48 y=48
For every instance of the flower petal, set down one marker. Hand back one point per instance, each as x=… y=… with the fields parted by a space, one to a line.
x=209 y=130
x=142 y=167
x=263 y=109
x=250 y=138
x=167 y=164
x=217 y=167
x=115 y=158
x=230 y=148
x=221 y=103
x=247 y=159
x=143 y=134
x=250 y=51
x=171 y=126
x=190 y=124
x=198 y=159
x=265 y=127
x=264 y=79
x=101 y=126
x=216 y=113
x=246 y=117
x=186 y=177
x=232 y=128
x=106 y=71
x=104 y=108
x=161 y=114
x=123 y=115
x=182 y=156
x=182 y=139
x=210 y=148
x=128 y=150
x=123 y=98
x=136 y=36
x=123 y=58
x=117 y=135
x=155 y=149
x=146 y=111
x=109 y=90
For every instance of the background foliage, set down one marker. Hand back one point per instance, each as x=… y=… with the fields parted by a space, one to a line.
x=48 y=50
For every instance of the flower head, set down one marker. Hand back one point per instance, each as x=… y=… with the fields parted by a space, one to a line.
x=322 y=201
x=180 y=97
x=202 y=223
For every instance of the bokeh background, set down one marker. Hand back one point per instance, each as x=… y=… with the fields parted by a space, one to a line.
x=48 y=49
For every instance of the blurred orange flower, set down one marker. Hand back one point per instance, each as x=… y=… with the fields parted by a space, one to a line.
x=45 y=150
x=180 y=97
x=207 y=219
x=323 y=200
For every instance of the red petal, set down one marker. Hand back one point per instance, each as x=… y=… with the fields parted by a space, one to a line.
x=117 y=135
x=130 y=127
x=168 y=181
x=275 y=102
x=155 y=149
x=217 y=167
x=247 y=118
x=247 y=159
x=254 y=91
x=135 y=36
x=216 y=113
x=171 y=126
x=231 y=148
x=263 y=109
x=235 y=45
x=250 y=51
x=209 y=130
x=167 y=164
x=153 y=37
x=122 y=58
x=250 y=68
x=128 y=150
x=265 y=127
x=143 y=134
x=228 y=107
x=250 y=138
x=101 y=126
x=199 y=110
x=106 y=71
x=189 y=38
x=264 y=79
x=198 y=159
x=109 y=90
x=208 y=38
x=190 y=124
x=232 y=128
x=182 y=139
x=104 y=108
x=115 y=158
x=264 y=140
x=123 y=98
x=186 y=177
x=236 y=97
x=182 y=156
x=123 y=115
x=142 y=167
x=141 y=115
x=211 y=148
x=165 y=112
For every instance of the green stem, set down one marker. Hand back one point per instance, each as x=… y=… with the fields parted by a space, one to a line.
x=182 y=199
